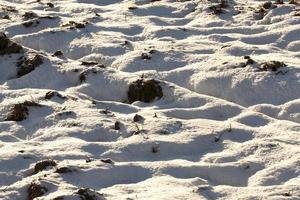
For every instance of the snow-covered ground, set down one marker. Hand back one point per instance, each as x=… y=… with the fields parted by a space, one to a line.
x=226 y=127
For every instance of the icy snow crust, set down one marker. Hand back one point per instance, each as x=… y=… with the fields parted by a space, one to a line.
x=221 y=131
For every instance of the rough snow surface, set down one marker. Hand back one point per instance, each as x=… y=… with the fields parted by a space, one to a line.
x=227 y=126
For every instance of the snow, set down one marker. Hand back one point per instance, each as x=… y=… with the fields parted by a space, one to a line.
x=225 y=128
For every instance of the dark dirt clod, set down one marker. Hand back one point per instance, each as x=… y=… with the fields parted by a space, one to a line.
x=138 y=118
x=117 y=125
x=88 y=160
x=6 y=17
x=50 y=5
x=82 y=77
x=64 y=170
x=80 y=25
x=155 y=149
x=272 y=66
x=89 y=63
x=7 y=46
x=107 y=160
x=73 y=24
x=88 y=194
x=20 y=111
x=58 y=53
x=146 y=56
x=28 y=24
x=59 y=198
x=9 y=8
x=49 y=95
x=287 y=194
x=144 y=90
x=267 y=5
x=35 y=190
x=219 y=8
x=42 y=165
x=132 y=7
x=28 y=64
x=29 y=15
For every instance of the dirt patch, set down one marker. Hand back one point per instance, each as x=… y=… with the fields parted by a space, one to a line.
x=73 y=24
x=7 y=46
x=272 y=66
x=219 y=8
x=263 y=10
x=84 y=74
x=20 y=111
x=58 y=53
x=107 y=160
x=144 y=90
x=27 y=64
x=49 y=95
x=42 y=165
x=64 y=170
x=35 y=190
x=59 y=198
x=138 y=118
x=88 y=194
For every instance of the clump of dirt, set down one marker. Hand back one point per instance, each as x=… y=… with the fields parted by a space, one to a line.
x=144 y=90
x=272 y=66
x=35 y=190
x=148 y=55
x=59 y=198
x=7 y=8
x=42 y=165
x=117 y=125
x=138 y=118
x=31 y=23
x=20 y=111
x=155 y=149
x=88 y=194
x=7 y=46
x=27 y=64
x=292 y=2
x=83 y=75
x=249 y=61
x=58 y=53
x=49 y=95
x=50 y=5
x=73 y=24
x=6 y=17
x=89 y=63
x=29 y=15
x=262 y=10
x=107 y=160
x=64 y=170
x=219 y=8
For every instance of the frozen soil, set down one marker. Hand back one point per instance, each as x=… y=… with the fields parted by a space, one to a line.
x=144 y=99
